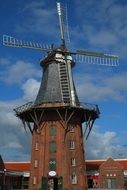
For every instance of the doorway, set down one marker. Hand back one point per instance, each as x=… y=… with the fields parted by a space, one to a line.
x=52 y=183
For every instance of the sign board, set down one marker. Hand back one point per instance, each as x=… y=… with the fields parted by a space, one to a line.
x=52 y=173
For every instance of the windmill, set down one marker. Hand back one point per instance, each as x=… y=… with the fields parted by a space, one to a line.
x=55 y=118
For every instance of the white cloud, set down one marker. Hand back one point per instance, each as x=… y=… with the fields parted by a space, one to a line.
x=118 y=81
x=117 y=14
x=102 y=38
x=103 y=88
x=102 y=25
x=17 y=72
x=8 y=116
x=40 y=19
x=13 y=136
x=4 y=61
x=32 y=5
x=104 y=145
x=30 y=88
x=14 y=142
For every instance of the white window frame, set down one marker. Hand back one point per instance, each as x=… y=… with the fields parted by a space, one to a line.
x=73 y=162
x=36 y=146
x=72 y=144
x=35 y=163
x=34 y=180
x=74 y=179
x=71 y=128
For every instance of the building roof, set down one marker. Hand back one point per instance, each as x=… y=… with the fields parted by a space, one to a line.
x=95 y=164
x=123 y=163
x=110 y=163
x=17 y=166
x=90 y=165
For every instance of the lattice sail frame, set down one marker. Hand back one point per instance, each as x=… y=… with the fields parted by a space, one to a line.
x=79 y=56
x=14 y=42
x=63 y=22
x=107 y=61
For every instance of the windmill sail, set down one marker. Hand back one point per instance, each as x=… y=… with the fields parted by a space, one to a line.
x=89 y=57
x=107 y=61
x=13 y=42
x=63 y=22
x=79 y=56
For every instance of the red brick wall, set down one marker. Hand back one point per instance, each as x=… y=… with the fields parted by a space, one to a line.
x=62 y=155
x=111 y=170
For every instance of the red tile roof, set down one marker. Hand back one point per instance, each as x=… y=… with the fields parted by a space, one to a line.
x=93 y=164
x=90 y=165
x=17 y=166
x=123 y=163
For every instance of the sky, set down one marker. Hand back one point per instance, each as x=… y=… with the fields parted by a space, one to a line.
x=99 y=26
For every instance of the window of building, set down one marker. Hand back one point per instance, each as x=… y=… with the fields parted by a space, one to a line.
x=34 y=180
x=53 y=90
x=52 y=147
x=73 y=162
x=36 y=163
x=52 y=165
x=36 y=146
x=71 y=128
x=112 y=183
x=52 y=129
x=25 y=182
x=74 y=179
x=72 y=144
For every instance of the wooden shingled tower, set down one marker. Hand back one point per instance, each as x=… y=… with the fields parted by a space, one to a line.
x=55 y=118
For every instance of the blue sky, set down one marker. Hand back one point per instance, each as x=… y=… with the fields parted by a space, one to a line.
x=99 y=26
